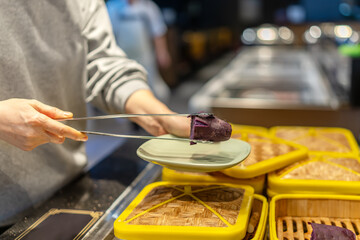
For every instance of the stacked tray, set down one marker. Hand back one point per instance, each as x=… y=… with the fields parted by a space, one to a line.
x=175 y=210
x=257 y=226
x=267 y=154
x=290 y=214
x=331 y=173
x=319 y=140
x=257 y=183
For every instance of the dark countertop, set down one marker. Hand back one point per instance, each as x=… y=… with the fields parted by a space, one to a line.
x=95 y=190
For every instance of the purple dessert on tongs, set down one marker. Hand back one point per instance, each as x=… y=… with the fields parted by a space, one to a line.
x=207 y=127
x=328 y=232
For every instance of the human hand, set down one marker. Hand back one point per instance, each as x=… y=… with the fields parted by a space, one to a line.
x=27 y=124
x=144 y=102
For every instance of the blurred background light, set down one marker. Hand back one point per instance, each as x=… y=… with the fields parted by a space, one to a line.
x=345 y=9
x=308 y=38
x=296 y=14
x=315 y=32
x=286 y=34
x=343 y=31
x=355 y=37
x=248 y=36
x=267 y=34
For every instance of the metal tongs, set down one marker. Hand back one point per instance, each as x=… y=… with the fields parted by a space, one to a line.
x=140 y=115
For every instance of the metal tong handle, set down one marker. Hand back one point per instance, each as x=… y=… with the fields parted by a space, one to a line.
x=135 y=115
x=144 y=137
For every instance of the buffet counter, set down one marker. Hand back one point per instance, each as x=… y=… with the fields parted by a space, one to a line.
x=110 y=185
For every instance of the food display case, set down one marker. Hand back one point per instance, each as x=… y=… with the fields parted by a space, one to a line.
x=267 y=76
x=274 y=85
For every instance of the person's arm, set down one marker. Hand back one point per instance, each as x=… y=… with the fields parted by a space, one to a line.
x=144 y=102
x=27 y=124
x=112 y=76
x=161 y=50
x=118 y=84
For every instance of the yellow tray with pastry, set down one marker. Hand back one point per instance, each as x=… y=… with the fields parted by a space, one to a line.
x=331 y=173
x=305 y=216
x=319 y=140
x=174 y=210
x=257 y=226
x=267 y=154
x=257 y=183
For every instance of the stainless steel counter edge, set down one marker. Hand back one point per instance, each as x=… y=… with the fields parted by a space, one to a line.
x=104 y=227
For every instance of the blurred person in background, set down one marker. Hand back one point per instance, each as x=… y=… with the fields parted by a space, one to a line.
x=140 y=30
x=57 y=56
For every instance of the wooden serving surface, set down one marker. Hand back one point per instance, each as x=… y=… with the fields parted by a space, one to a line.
x=298 y=228
x=206 y=206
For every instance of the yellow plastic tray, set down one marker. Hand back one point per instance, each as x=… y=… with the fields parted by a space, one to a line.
x=262 y=224
x=290 y=213
x=262 y=146
x=346 y=167
x=319 y=140
x=161 y=201
x=272 y=193
x=257 y=183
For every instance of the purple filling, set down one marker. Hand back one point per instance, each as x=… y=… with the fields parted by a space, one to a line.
x=327 y=232
x=209 y=128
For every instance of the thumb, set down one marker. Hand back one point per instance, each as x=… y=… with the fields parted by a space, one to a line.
x=50 y=111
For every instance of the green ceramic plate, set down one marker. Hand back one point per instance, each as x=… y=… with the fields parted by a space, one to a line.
x=201 y=157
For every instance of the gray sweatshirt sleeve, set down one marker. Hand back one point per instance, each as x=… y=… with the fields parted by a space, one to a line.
x=112 y=77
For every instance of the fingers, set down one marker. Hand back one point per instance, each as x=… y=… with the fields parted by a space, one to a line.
x=55 y=138
x=179 y=126
x=56 y=131
x=50 y=111
x=30 y=142
x=151 y=125
x=61 y=130
x=29 y=123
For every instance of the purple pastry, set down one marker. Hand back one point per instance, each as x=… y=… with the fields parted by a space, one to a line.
x=328 y=232
x=209 y=128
